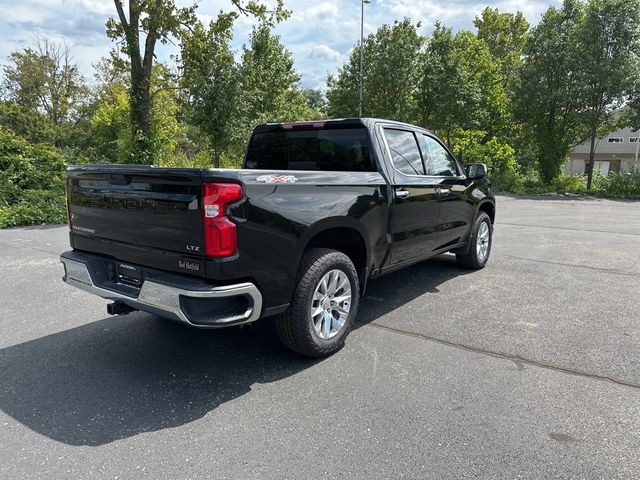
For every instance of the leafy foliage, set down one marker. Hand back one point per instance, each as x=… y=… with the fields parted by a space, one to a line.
x=461 y=86
x=225 y=99
x=159 y=21
x=620 y=185
x=45 y=92
x=505 y=35
x=548 y=95
x=31 y=183
x=269 y=83
x=609 y=39
x=390 y=75
x=472 y=146
x=210 y=79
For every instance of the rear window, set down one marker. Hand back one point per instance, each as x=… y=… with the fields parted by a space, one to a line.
x=342 y=150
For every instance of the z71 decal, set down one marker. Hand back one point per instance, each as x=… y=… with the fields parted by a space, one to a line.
x=277 y=179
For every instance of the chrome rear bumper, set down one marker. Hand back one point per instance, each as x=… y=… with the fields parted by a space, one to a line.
x=193 y=302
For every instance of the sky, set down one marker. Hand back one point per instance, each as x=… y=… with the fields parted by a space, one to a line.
x=319 y=33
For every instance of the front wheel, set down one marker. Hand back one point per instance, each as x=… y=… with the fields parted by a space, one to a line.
x=324 y=304
x=479 y=244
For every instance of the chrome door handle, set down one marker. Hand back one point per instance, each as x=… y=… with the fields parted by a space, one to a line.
x=402 y=193
x=444 y=191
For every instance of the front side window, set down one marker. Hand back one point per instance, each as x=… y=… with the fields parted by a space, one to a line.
x=405 y=154
x=440 y=160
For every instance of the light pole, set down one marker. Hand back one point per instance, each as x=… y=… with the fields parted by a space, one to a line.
x=361 y=51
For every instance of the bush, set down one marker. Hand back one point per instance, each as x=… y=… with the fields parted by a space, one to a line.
x=31 y=183
x=500 y=158
x=569 y=184
x=35 y=207
x=531 y=183
x=619 y=185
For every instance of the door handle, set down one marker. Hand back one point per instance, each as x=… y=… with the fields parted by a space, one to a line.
x=444 y=191
x=402 y=193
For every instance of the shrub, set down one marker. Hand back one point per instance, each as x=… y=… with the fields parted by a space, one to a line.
x=35 y=207
x=569 y=183
x=619 y=185
x=500 y=158
x=31 y=183
x=531 y=183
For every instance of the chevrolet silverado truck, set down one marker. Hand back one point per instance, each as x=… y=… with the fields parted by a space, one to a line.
x=317 y=210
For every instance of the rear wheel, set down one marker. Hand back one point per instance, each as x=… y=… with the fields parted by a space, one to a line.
x=479 y=244
x=324 y=304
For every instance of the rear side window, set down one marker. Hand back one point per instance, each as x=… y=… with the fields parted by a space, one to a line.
x=337 y=149
x=404 y=151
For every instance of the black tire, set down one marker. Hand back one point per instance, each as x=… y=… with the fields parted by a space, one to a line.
x=295 y=327
x=473 y=259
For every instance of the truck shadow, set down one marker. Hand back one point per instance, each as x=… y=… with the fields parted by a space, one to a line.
x=121 y=376
x=390 y=292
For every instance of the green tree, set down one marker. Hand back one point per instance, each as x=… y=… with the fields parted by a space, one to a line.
x=43 y=80
x=609 y=39
x=211 y=82
x=158 y=21
x=505 y=34
x=269 y=85
x=390 y=75
x=27 y=123
x=548 y=95
x=316 y=100
x=633 y=116
x=111 y=120
x=461 y=86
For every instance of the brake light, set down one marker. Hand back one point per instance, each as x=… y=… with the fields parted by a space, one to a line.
x=220 y=239
x=302 y=125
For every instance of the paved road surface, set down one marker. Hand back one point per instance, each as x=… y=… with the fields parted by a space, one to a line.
x=527 y=369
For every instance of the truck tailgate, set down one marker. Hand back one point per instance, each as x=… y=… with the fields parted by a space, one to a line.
x=154 y=210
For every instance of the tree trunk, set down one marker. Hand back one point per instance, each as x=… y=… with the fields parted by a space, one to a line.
x=216 y=158
x=592 y=154
x=140 y=101
x=140 y=115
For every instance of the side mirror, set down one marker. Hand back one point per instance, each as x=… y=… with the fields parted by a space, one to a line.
x=476 y=171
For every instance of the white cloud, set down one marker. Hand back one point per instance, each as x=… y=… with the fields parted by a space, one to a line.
x=326 y=53
x=323 y=12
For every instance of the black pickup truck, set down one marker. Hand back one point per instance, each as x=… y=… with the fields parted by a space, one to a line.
x=317 y=210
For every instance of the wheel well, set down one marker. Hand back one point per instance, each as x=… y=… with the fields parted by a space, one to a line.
x=489 y=209
x=347 y=241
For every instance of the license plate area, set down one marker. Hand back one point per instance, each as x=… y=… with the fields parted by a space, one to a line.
x=128 y=274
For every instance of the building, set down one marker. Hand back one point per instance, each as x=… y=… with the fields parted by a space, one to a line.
x=615 y=152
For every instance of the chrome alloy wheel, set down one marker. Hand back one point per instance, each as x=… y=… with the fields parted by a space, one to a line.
x=331 y=303
x=483 y=241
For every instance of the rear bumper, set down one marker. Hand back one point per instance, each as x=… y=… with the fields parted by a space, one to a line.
x=177 y=297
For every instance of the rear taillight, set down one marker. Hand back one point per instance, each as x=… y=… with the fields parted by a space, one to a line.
x=220 y=238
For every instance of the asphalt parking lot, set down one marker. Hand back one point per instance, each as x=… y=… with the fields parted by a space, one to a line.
x=529 y=368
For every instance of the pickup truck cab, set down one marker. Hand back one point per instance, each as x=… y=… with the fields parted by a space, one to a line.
x=317 y=210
